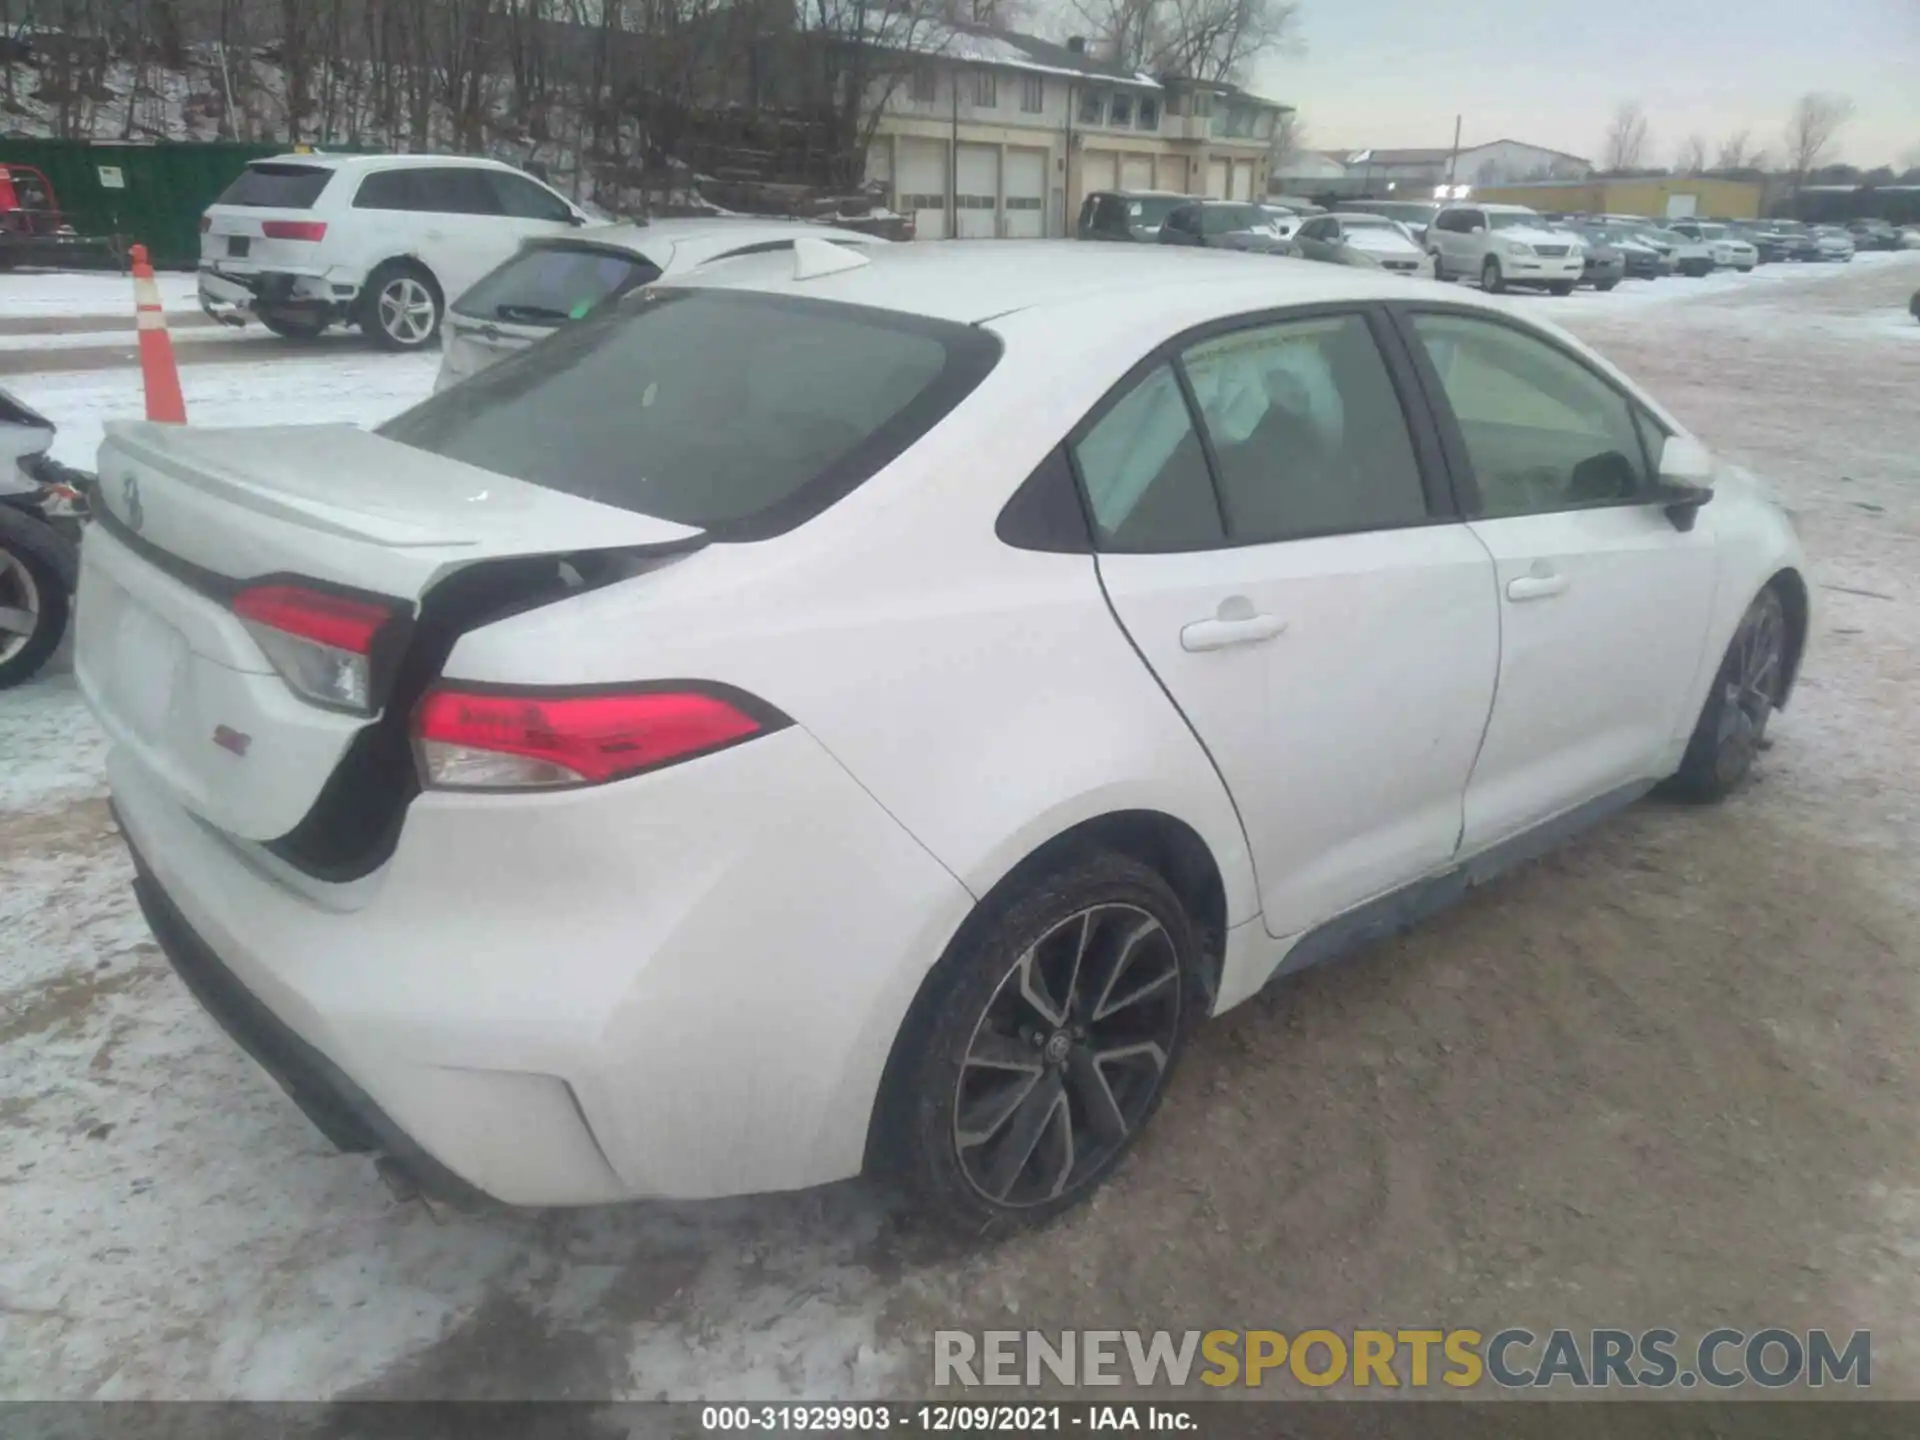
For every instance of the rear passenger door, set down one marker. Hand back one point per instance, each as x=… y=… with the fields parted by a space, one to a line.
x=1276 y=539
x=466 y=231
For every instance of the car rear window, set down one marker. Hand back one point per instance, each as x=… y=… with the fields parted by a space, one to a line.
x=551 y=284
x=743 y=414
x=277 y=187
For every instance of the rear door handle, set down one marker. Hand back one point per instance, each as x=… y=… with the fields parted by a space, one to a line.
x=1219 y=634
x=1536 y=587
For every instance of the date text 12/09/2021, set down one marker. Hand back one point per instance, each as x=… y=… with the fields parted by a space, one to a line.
x=946 y=1419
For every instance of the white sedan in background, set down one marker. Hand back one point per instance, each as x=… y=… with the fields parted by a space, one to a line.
x=555 y=279
x=858 y=710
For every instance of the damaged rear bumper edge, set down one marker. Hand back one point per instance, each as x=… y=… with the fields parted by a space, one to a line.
x=341 y=1111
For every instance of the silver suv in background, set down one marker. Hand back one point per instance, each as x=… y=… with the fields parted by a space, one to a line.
x=1503 y=245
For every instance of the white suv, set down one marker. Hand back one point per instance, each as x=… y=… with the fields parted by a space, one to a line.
x=1502 y=245
x=302 y=242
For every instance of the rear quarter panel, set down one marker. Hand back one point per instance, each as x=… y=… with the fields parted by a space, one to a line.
x=983 y=694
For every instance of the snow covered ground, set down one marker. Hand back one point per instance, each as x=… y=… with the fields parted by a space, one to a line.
x=1698 y=1029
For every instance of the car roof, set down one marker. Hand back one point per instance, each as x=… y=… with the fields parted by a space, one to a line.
x=319 y=160
x=693 y=239
x=970 y=282
x=1147 y=194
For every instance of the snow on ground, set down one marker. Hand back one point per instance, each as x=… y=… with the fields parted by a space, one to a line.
x=25 y=293
x=356 y=384
x=175 y=1229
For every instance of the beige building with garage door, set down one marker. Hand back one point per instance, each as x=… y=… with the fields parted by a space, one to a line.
x=997 y=135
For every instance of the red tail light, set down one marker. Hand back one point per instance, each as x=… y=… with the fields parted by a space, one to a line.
x=320 y=642
x=473 y=739
x=312 y=231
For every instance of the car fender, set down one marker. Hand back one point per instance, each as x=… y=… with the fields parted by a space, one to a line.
x=1754 y=545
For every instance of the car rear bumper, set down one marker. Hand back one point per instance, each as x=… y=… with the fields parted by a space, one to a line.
x=683 y=985
x=230 y=295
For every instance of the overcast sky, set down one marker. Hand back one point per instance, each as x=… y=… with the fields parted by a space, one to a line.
x=1382 y=73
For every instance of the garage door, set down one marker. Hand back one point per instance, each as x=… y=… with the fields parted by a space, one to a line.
x=1243 y=180
x=1218 y=174
x=922 y=186
x=1170 y=173
x=1136 y=172
x=1099 y=170
x=1026 y=194
x=977 y=198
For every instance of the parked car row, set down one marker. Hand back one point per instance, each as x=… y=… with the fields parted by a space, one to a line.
x=392 y=243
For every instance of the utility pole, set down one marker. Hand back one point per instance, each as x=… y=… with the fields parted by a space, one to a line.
x=1453 y=156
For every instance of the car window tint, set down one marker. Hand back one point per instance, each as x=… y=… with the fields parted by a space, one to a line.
x=1145 y=472
x=518 y=196
x=387 y=190
x=739 y=413
x=1307 y=430
x=548 y=284
x=1543 y=432
x=1653 y=438
x=455 y=190
x=278 y=187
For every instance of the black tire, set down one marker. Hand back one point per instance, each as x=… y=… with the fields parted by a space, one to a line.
x=49 y=566
x=411 y=286
x=294 y=327
x=1439 y=271
x=1565 y=287
x=977 y=1045
x=1744 y=269
x=1733 y=721
x=1491 y=280
x=1606 y=285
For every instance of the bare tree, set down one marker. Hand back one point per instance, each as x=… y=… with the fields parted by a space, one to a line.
x=1289 y=139
x=1691 y=157
x=1626 y=143
x=1736 y=152
x=1212 y=40
x=1812 y=129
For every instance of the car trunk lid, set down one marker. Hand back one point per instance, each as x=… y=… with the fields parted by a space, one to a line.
x=191 y=519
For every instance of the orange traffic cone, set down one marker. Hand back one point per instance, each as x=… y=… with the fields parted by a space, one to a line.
x=158 y=372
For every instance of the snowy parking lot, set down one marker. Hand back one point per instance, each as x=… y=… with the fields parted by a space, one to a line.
x=1664 y=1077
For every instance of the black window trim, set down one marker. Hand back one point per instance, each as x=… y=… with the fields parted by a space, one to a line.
x=1442 y=502
x=1446 y=426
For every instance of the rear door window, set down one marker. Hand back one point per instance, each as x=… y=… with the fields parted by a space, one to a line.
x=277 y=187
x=387 y=190
x=456 y=191
x=551 y=284
x=1307 y=430
x=742 y=414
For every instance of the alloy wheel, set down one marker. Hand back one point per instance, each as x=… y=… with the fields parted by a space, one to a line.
x=19 y=606
x=1068 y=1056
x=1751 y=684
x=406 y=310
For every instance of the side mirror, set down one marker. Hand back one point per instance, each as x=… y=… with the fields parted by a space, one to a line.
x=1685 y=481
x=576 y=219
x=1479 y=229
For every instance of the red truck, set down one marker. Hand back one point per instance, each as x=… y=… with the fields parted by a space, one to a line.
x=34 y=231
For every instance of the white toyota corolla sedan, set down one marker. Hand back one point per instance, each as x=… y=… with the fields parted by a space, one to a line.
x=859 y=711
